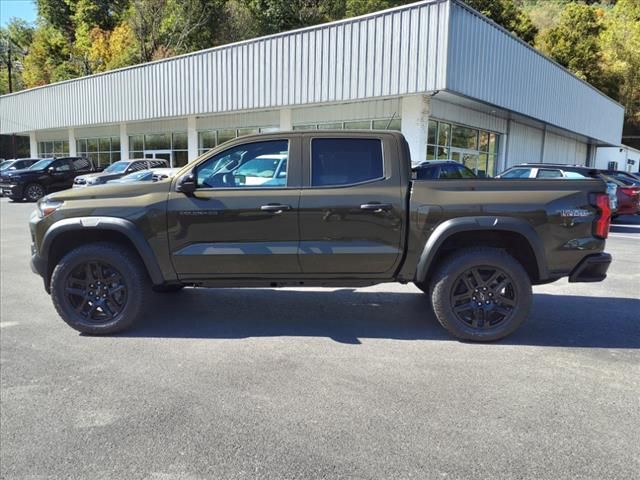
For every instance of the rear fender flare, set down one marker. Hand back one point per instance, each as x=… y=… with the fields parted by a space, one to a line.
x=485 y=223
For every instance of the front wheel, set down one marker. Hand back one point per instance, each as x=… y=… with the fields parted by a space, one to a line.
x=481 y=294
x=100 y=288
x=34 y=192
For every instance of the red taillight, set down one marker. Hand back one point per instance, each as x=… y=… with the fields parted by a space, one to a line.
x=601 y=223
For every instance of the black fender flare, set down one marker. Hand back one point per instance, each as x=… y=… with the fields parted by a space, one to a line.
x=125 y=227
x=483 y=223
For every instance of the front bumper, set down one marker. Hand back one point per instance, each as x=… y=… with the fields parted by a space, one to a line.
x=592 y=268
x=10 y=190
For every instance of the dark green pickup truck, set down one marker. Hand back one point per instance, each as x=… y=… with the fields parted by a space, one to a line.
x=324 y=208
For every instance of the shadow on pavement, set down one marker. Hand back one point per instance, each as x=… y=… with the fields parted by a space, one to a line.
x=346 y=316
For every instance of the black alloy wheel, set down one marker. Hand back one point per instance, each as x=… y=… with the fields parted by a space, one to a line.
x=97 y=291
x=34 y=192
x=483 y=297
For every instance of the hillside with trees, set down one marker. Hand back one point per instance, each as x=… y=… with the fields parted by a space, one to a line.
x=599 y=41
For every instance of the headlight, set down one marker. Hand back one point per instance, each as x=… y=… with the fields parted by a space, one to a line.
x=47 y=207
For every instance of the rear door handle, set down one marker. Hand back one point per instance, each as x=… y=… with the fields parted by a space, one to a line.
x=275 y=207
x=376 y=207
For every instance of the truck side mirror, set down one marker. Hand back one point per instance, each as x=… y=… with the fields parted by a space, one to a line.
x=186 y=184
x=51 y=169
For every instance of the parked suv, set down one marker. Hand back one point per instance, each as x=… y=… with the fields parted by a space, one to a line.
x=117 y=170
x=17 y=164
x=560 y=171
x=46 y=176
x=441 y=170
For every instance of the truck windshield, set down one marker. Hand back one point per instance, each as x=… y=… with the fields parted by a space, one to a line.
x=41 y=165
x=117 y=167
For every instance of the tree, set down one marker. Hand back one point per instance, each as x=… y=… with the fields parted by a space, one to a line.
x=273 y=16
x=15 y=39
x=575 y=43
x=362 y=7
x=509 y=15
x=621 y=53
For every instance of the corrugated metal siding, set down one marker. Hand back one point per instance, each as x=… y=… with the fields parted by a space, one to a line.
x=560 y=149
x=487 y=63
x=524 y=144
x=391 y=53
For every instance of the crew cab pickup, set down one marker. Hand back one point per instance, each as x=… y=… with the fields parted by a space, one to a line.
x=344 y=212
x=46 y=176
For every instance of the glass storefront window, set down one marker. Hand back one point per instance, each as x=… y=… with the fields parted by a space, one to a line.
x=180 y=141
x=157 y=141
x=387 y=124
x=136 y=143
x=56 y=148
x=226 y=135
x=444 y=134
x=475 y=148
x=463 y=137
x=330 y=126
x=102 y=151
x=432 y=132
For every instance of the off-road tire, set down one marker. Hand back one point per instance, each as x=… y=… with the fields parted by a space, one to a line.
x=120 y=260
x=447 y=281
x=34 y=192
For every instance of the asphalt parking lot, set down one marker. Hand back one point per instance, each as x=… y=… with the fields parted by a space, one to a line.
x=320 y=383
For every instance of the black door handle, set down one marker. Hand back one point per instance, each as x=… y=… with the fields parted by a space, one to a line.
x=376 y=207
x=275 y=207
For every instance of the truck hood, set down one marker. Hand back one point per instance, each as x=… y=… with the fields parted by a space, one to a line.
x=21 y=172
x=111 y=190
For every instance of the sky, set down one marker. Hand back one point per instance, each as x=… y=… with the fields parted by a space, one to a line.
x=25 y=9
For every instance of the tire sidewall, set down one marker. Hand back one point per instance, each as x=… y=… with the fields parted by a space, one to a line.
x=34 y=185
x=448 y=277
x=122 y=264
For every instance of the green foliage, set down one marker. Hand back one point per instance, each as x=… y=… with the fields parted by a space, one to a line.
x=621 y=51
x=509 y=15
x=574 y=42
x=272 y=16
x=361 y=7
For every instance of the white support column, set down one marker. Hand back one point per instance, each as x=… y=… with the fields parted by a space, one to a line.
x=72 y=143
x=192 y=138
x=415 y=124
x=33 y=145
x=124 y=142
x=286 y=122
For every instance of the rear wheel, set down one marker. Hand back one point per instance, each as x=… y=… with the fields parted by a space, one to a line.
x=481 y=294
x=99 y=288
x=34 y=192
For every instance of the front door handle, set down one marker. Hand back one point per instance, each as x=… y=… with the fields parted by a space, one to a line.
x=376 y=207
x=275 y=207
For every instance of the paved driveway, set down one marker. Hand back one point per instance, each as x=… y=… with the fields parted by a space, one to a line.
x=321 y=383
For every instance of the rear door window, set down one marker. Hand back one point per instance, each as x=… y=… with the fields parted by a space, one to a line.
x=345 y=161
x=450 y=172
x=548 y=173
x=81 y=164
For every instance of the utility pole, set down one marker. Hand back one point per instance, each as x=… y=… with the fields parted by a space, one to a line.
x=9 y=66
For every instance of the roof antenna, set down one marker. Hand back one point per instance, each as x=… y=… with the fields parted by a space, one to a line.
x=390 y=120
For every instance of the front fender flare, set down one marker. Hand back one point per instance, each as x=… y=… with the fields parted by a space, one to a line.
x=125 y=227
x=483 y=223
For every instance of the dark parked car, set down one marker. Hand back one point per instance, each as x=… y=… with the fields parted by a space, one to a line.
x=355 y=218
x=17 y=164
x=46 y=176
x=117 y=170
x=560 y=171
x=441 y=170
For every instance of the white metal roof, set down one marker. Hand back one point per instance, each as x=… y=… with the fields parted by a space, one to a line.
x=421 y=47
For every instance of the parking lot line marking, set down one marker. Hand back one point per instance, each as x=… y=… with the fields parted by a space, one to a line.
x=620 y=235
x=8 y=324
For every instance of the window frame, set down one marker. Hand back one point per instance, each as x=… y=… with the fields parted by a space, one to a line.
x=309 y=180
x=290 y=184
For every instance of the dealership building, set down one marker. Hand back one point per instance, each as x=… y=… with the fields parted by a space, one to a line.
x=457 y=85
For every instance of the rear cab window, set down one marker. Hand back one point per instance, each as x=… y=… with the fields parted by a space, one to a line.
x=345 y=161
x=548 y=173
